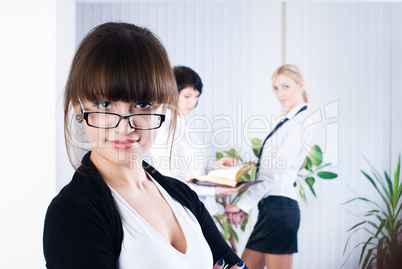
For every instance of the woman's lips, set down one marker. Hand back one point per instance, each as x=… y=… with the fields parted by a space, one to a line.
x=123 y=144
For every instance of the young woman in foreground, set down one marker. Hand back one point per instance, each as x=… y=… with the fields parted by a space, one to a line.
x=274 y=238
x=117 y=211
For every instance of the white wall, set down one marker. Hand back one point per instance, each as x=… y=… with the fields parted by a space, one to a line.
x=30 y=84
x=27 y=152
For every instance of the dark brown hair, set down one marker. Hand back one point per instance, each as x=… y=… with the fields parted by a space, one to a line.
x=118 y=62
x=187 y=77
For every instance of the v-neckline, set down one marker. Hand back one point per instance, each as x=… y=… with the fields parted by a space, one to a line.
x=170 y=202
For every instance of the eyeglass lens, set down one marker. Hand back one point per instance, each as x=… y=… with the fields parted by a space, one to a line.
x=111 y=120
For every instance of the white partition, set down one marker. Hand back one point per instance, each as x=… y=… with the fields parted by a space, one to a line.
x=348 y=52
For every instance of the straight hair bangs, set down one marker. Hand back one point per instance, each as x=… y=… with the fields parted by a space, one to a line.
x=128 y=68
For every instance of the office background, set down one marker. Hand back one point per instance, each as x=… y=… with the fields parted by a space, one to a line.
x=349 y=52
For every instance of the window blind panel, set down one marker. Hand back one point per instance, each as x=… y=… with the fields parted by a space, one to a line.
x=344 y=51
x=396 y=84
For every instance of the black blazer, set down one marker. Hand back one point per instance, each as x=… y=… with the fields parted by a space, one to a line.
x=83 y=227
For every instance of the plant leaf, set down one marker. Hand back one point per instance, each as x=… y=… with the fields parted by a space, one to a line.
x=316 y=155
x=303 y=165
x=356 y=225
x=310 y=182
x=396 y=179
x=226 y=228
x=243 y=225
x=309 y=164
x=256 y=146
x=367 y=259
x=219 y=155
x=301 y=191
x=244 y=178
x=233 y=233
x=397 y=190
x=384 y=197
x=234 y=154
x=372 y=212
x=362 y=199
x=354 y=248
x=390 y=188
x=323 y=166
x=327 y=175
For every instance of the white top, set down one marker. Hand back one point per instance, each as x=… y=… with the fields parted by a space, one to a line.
x=188 y=159
x=282 y=156
x=143 y=247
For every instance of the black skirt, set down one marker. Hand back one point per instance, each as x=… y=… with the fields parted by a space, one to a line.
x=276 y=229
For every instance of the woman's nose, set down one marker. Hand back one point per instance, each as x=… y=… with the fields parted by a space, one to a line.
x=124 y=127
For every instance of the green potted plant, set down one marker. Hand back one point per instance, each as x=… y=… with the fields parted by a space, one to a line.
x=382 y=222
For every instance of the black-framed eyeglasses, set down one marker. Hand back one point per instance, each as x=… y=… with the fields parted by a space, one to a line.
x=108 y=120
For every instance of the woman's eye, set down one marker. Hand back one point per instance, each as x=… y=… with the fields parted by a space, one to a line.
x=285 y=86
x=103 y=104
x=144 y=105
x=275 y=88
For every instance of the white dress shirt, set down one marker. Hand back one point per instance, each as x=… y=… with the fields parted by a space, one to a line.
x=187 y=160
x=282 y=156
x=144 y=247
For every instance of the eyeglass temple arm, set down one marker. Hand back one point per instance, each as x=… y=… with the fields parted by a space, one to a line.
x=82 y=109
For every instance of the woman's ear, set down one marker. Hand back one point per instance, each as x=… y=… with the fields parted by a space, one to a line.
x=78 y=110
x=166 y=105
x=301 y=86
x=301 y=83
x=77 y=107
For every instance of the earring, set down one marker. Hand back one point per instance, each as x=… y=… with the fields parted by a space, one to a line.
x=78 y=117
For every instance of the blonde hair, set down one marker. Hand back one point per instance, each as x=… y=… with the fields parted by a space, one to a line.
x=118 y=62
x=292 y=71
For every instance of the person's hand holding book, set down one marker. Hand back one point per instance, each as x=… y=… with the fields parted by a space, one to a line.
x=235 y=214
x=224 y=163
x=226 y=191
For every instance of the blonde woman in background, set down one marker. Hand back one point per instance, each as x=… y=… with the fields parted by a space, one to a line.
x=274 y=238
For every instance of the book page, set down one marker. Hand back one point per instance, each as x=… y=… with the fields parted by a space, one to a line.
x=228 y=173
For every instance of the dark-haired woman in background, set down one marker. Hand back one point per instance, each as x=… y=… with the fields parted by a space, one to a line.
x=188 y=158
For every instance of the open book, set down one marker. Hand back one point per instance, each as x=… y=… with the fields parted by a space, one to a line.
x=227 y=177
